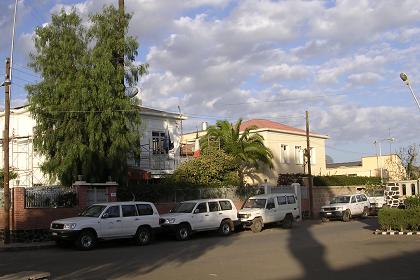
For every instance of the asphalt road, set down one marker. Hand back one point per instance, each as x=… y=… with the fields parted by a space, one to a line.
x=310 y=250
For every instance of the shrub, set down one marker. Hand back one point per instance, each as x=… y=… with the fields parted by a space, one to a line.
x=399 y=219
x=343 y=180
x=412 y=202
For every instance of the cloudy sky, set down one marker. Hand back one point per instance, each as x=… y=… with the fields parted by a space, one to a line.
x=222 y=59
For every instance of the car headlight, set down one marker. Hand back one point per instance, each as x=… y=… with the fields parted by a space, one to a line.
x=69 y=226
x=170 y=220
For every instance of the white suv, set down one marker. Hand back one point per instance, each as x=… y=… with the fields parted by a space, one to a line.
x=200 y=215
x=112 y=220
x=344 y=207
x=269 y=208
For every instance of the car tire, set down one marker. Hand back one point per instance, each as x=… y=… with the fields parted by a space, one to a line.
x=183 y=232
x=325 y=220
x=365 y=213
x=143 y=236
x=288 y=221
x=226 y=227
x=346 y=216
x=257 y=225
x=86 y=240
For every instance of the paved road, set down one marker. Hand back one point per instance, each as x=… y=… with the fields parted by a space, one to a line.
x=311 y=250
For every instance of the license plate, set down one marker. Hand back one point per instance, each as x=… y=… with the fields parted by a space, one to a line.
x=329 y=213
x=54 y=233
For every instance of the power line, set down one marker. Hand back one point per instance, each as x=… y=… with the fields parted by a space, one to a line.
x=26 y=73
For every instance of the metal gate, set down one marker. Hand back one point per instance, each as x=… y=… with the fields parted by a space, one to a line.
x=96 y=195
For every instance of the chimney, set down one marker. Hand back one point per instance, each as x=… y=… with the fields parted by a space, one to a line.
x=204 y=126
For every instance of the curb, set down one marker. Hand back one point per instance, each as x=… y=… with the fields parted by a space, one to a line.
x=381 y=232
x=25 y=247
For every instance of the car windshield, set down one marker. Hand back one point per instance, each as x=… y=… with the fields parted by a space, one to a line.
x=375 y=193
x=184 y=207
x=255 y=203
x=340 y=199
x=93 y=211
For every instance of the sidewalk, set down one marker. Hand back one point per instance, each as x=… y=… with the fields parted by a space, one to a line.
x=25 y=246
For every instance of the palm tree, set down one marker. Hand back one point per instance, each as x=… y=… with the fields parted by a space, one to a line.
x=246 y=146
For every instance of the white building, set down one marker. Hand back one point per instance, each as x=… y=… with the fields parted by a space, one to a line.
x=160 y=143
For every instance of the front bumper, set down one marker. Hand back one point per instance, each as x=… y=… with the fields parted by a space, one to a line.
x=60 y=234
x=336 y=214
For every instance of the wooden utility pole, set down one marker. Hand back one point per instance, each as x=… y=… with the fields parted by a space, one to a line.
x=6 y=194
x=308 y=158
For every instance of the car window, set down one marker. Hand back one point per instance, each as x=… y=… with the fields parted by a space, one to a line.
x=128 y=210
x=291 y=199
x=225 y=205
x=270 y=203
x=281 y=200
x=144 y=209
x=353 y=199
x=113 y=211
x=202 y=207
x=213 y=206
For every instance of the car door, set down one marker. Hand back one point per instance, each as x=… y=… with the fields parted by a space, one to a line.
x=215 y=214
x=270 y=211
x=354 y=207
x=282 y=207
x=130 y=220
x=293 y=208
x=200 y=218
x=111 y=222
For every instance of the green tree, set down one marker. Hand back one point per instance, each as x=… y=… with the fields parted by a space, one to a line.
x=214 y=168
x=12 y=175
x=245 y=146
x=409 y=157
x=85 y=124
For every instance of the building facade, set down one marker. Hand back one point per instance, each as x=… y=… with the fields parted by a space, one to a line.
x=160 y=147
x=389 y=167
x=287 y=144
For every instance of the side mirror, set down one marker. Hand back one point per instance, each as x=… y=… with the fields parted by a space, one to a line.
x=172 y=210
x=105 y=215
x=196 y=211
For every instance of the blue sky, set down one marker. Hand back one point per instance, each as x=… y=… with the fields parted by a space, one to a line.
x=222 y=59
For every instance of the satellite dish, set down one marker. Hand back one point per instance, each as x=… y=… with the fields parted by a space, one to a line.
x=131 y=91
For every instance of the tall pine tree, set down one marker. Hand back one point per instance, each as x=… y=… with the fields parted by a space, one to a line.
x=85 y=124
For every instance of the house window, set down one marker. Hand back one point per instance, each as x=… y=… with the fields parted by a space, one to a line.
x=158 y=138
x=313 y=155
x=284 y=153
x=298 y=155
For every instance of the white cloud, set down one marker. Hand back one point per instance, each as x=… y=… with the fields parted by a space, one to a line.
x=364 y=78
x=284 y=71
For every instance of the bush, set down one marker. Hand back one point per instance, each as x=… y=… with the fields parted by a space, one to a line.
x=343 y=180
x=399 y=219
x=412 y=202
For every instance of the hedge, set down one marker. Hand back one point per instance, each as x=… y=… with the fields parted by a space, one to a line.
x=343 y=180
x=412 y=202
x=399 y=219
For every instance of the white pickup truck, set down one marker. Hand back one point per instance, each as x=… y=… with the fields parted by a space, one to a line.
x=269 y=208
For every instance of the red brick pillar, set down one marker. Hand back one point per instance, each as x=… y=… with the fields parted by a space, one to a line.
x=82 y=195
x=112 y=193
x=17 y=212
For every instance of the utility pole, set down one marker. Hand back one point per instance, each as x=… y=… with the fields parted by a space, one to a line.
x=308 y=157
x=6 y=194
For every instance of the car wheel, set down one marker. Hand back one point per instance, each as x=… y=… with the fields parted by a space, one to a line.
x=183 y=232
x=288 y=221
x=365 y=213
x=143 y=236
x=86 y=240
x=346 y=216
x=257 y=225
x=226 y=227
x=325 y=220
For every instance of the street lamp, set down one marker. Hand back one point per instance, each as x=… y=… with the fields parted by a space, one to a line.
x=405 y=79
x=390 y=139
